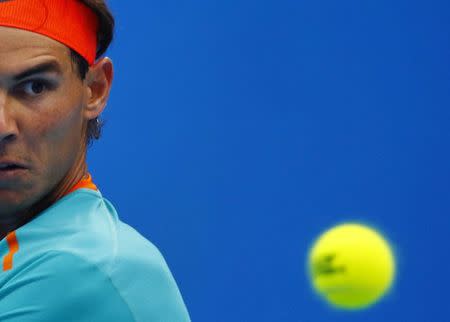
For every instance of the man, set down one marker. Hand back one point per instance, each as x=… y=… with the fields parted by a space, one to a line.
x=65 y=255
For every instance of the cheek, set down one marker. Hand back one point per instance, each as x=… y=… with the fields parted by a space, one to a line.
x=60 y=126
x=56 y=135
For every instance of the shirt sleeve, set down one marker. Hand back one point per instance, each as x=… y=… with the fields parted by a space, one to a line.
x=60 y=286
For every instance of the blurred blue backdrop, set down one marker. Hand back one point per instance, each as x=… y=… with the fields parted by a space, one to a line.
x=239 y=130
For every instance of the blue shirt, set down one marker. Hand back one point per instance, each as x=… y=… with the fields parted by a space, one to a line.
x=76 y=261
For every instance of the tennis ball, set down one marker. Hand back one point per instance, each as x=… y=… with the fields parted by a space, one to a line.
x=351 y=266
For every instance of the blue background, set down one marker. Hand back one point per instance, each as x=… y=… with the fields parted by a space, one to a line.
x=239 y=130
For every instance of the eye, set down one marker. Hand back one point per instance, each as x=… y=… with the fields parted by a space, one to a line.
x=34 y=87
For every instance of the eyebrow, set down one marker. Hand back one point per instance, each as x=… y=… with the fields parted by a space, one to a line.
x=46 y=67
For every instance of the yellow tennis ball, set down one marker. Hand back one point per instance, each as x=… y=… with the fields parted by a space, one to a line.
x=351 y=266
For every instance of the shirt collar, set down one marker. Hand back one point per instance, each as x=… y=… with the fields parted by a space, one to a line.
x=85 y=182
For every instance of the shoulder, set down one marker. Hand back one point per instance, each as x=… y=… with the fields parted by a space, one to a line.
x=86 y=259
x=61 y=286
x=142 y=273
x=79 y=225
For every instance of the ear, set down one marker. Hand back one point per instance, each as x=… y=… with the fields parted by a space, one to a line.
x=98 y=80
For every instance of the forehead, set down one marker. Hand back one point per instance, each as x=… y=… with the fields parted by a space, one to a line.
x=20 y=48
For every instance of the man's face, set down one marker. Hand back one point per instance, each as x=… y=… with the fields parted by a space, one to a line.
x=41 y=117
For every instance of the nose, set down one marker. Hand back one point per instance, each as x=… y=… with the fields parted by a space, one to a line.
x=8 y=126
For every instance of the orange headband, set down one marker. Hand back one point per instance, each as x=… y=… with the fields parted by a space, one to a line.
x=67 y=21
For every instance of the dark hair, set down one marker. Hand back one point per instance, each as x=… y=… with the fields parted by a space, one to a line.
x=104 y=38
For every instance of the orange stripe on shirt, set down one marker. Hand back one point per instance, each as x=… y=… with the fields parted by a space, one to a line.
x=13 y=245
x=86 y=182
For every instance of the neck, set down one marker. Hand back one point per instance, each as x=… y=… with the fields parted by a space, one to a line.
x=73 y=176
